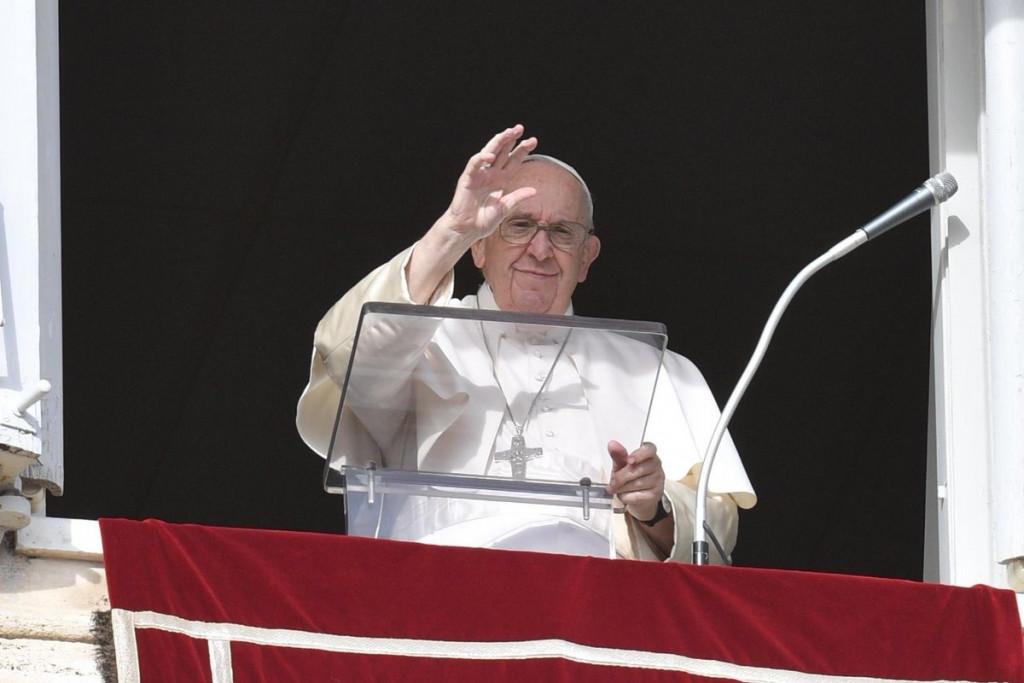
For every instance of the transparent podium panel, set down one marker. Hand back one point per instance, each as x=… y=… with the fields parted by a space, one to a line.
x=573 y=519
x=460 y=426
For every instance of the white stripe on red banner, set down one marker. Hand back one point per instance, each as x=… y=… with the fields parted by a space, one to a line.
x=220 y=635
x=220 y=661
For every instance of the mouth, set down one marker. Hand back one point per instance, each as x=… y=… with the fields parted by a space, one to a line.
x=534 y=273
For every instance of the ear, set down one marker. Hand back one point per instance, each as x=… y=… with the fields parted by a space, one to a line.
x=478 y=254
x=591 y=248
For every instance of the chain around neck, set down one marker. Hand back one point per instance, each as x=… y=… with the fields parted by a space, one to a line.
x=494 y=372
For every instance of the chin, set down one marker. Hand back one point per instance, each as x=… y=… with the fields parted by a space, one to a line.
x=527 y=308
x=533 y=304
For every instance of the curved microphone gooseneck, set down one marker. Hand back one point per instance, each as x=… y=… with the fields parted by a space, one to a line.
x=933 y=192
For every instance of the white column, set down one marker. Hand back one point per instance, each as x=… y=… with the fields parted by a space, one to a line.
x=959 y=543
x=30 y=284
x=1004 y=229
x=976 y=473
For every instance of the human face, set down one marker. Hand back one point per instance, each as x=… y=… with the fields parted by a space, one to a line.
x=536 y=277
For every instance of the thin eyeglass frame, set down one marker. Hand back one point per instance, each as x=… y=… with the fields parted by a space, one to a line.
x=547 y=227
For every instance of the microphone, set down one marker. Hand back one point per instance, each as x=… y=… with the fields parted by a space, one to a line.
x=933 y=192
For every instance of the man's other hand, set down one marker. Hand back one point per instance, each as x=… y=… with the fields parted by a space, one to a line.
x=638 y=479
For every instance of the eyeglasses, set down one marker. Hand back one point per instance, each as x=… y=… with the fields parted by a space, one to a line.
x=564 y=235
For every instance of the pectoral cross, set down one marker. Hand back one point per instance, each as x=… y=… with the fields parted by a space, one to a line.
x=518 y=455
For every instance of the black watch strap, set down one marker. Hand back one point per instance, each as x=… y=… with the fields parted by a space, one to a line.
x=659 y=514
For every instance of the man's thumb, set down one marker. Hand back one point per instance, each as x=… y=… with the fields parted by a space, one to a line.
x=619 y=454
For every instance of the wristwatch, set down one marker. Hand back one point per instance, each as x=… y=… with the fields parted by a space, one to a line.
x=659 y=514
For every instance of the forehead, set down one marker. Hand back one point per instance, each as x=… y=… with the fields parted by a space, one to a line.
x=559 y=195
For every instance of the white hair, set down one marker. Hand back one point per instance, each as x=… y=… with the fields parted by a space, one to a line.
x=588 y=201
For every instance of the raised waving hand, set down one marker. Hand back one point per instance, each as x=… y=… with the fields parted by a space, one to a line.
x=481 y=201
x=481 y=198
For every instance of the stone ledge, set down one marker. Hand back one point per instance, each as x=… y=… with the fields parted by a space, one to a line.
x=60 y=538
x=47 y=661
x=68 y=627
x=49 y=599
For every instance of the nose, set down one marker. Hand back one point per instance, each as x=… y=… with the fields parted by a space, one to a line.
x=540 y=246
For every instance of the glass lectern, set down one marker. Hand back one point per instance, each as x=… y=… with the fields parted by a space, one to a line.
x=481 y=428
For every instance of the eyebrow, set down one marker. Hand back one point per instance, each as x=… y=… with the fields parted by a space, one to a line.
x=532 y=217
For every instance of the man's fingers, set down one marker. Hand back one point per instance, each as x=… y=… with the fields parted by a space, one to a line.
x=639 y=471
x=501 y=144
x=632 y=470
x=478 y=162
x=486 y=157
x=496 y=153
x=496 y=142
x=509 y=201
x=643 y=460
x=508 y=141
x=638 y=497
x=645 y=483
x=624 y=477
x=516 y=156
x=618 y=453
x=646 y=452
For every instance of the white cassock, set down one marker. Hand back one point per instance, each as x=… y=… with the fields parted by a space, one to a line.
x=463 y=380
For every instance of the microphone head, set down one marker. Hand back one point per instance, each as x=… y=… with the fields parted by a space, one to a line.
x=942 y=186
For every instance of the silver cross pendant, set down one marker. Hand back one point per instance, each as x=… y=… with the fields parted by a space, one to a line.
x=518 y=455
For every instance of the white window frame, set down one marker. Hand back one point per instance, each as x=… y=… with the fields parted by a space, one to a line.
x=975 y=495
x=30 y=273
x=972 y=525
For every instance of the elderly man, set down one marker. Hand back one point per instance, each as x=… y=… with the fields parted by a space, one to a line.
x=527 y=220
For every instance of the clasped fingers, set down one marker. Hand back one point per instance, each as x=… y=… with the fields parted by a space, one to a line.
x=640 y=470
x=647 y=475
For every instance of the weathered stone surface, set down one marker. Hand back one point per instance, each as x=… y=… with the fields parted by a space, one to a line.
x=46 y=608
x=46 y=661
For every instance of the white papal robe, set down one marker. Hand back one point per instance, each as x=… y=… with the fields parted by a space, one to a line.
x=593 y=391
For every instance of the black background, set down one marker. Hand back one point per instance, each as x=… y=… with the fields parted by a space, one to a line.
x=229 y=169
